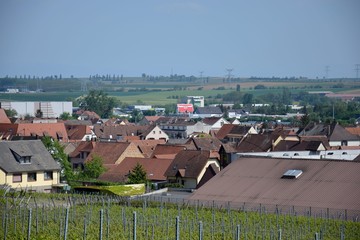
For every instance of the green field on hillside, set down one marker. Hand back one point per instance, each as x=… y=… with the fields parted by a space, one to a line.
x=160 y=93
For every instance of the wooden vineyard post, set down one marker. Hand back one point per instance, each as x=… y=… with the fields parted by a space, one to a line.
x=101 y=223
x=200 y=230
x=66 y=223
x=29 y=224
x=134 y=226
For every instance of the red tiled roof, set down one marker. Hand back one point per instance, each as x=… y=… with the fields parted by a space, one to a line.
x=191 y=161
x=54 y=130
x=353 y=130
x=147 y=146
x=211 y=120
x=84 y=146
x=257 y=142
x=152 y=118
x=3 y=117
x=232 y=129
x=77 y=132
x=163 y=149
x=154 y=167
x=110 y=152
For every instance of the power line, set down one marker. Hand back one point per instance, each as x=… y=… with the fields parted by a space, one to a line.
x=327 y=70
x=229 y=75
x=201 y=76
x=357 y=68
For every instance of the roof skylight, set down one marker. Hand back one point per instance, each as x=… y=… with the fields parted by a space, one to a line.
x=292 y=173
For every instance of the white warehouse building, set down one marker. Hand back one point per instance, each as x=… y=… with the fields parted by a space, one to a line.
x=48 y=109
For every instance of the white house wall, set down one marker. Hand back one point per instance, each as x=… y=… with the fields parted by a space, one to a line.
x=157 y=134
x=349 y=143
x=49 y=109
x=328 y=154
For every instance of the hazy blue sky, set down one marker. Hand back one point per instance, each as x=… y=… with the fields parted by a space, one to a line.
x=253 y=37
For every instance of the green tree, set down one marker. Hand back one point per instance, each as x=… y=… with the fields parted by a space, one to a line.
x=10 y=113
x=304 y=120
x=65 y=116
x=57 y=152
x=248 y=98
x=137 y=175
x=93 y=168
x=99 y=102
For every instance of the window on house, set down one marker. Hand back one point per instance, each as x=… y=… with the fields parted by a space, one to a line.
x=21 y=159
x=17 y=177
x=153 y=132
x=25 y=159
x=159 y=132
x=48 y=175
x=31 y=177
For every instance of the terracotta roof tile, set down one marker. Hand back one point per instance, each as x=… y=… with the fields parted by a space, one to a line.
x=39 y=129
x=193 y=161
x=3 y=117
x=164 y=149
x=110 y=152
x=154 y=167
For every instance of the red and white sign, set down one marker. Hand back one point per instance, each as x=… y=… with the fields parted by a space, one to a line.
x=185 y=108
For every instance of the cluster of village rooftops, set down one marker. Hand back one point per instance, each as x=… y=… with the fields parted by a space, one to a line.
x=317 y=165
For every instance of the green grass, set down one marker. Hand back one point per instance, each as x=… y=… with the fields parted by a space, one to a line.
x=120 y=190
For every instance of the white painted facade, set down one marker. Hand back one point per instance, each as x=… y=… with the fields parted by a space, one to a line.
x=342 y=143
x=322 y=154
x=157 y=134
x=48 y=109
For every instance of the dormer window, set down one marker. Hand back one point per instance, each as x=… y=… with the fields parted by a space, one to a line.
x=22 y=159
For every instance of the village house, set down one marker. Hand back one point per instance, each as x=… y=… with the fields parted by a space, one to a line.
x=154 y=133
x=237 y=113
x=234 y=133
x=192 y=168
x=204 y=112
x=27 y=165
x=183 y=128
x=336 y=134
x=118 y=132
x=147 y=147
x=154 y=167
x=54 y=130
x=114 y=152
x=81 y=152
x=215 y=123
x=79 y=130
x=168 y=151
